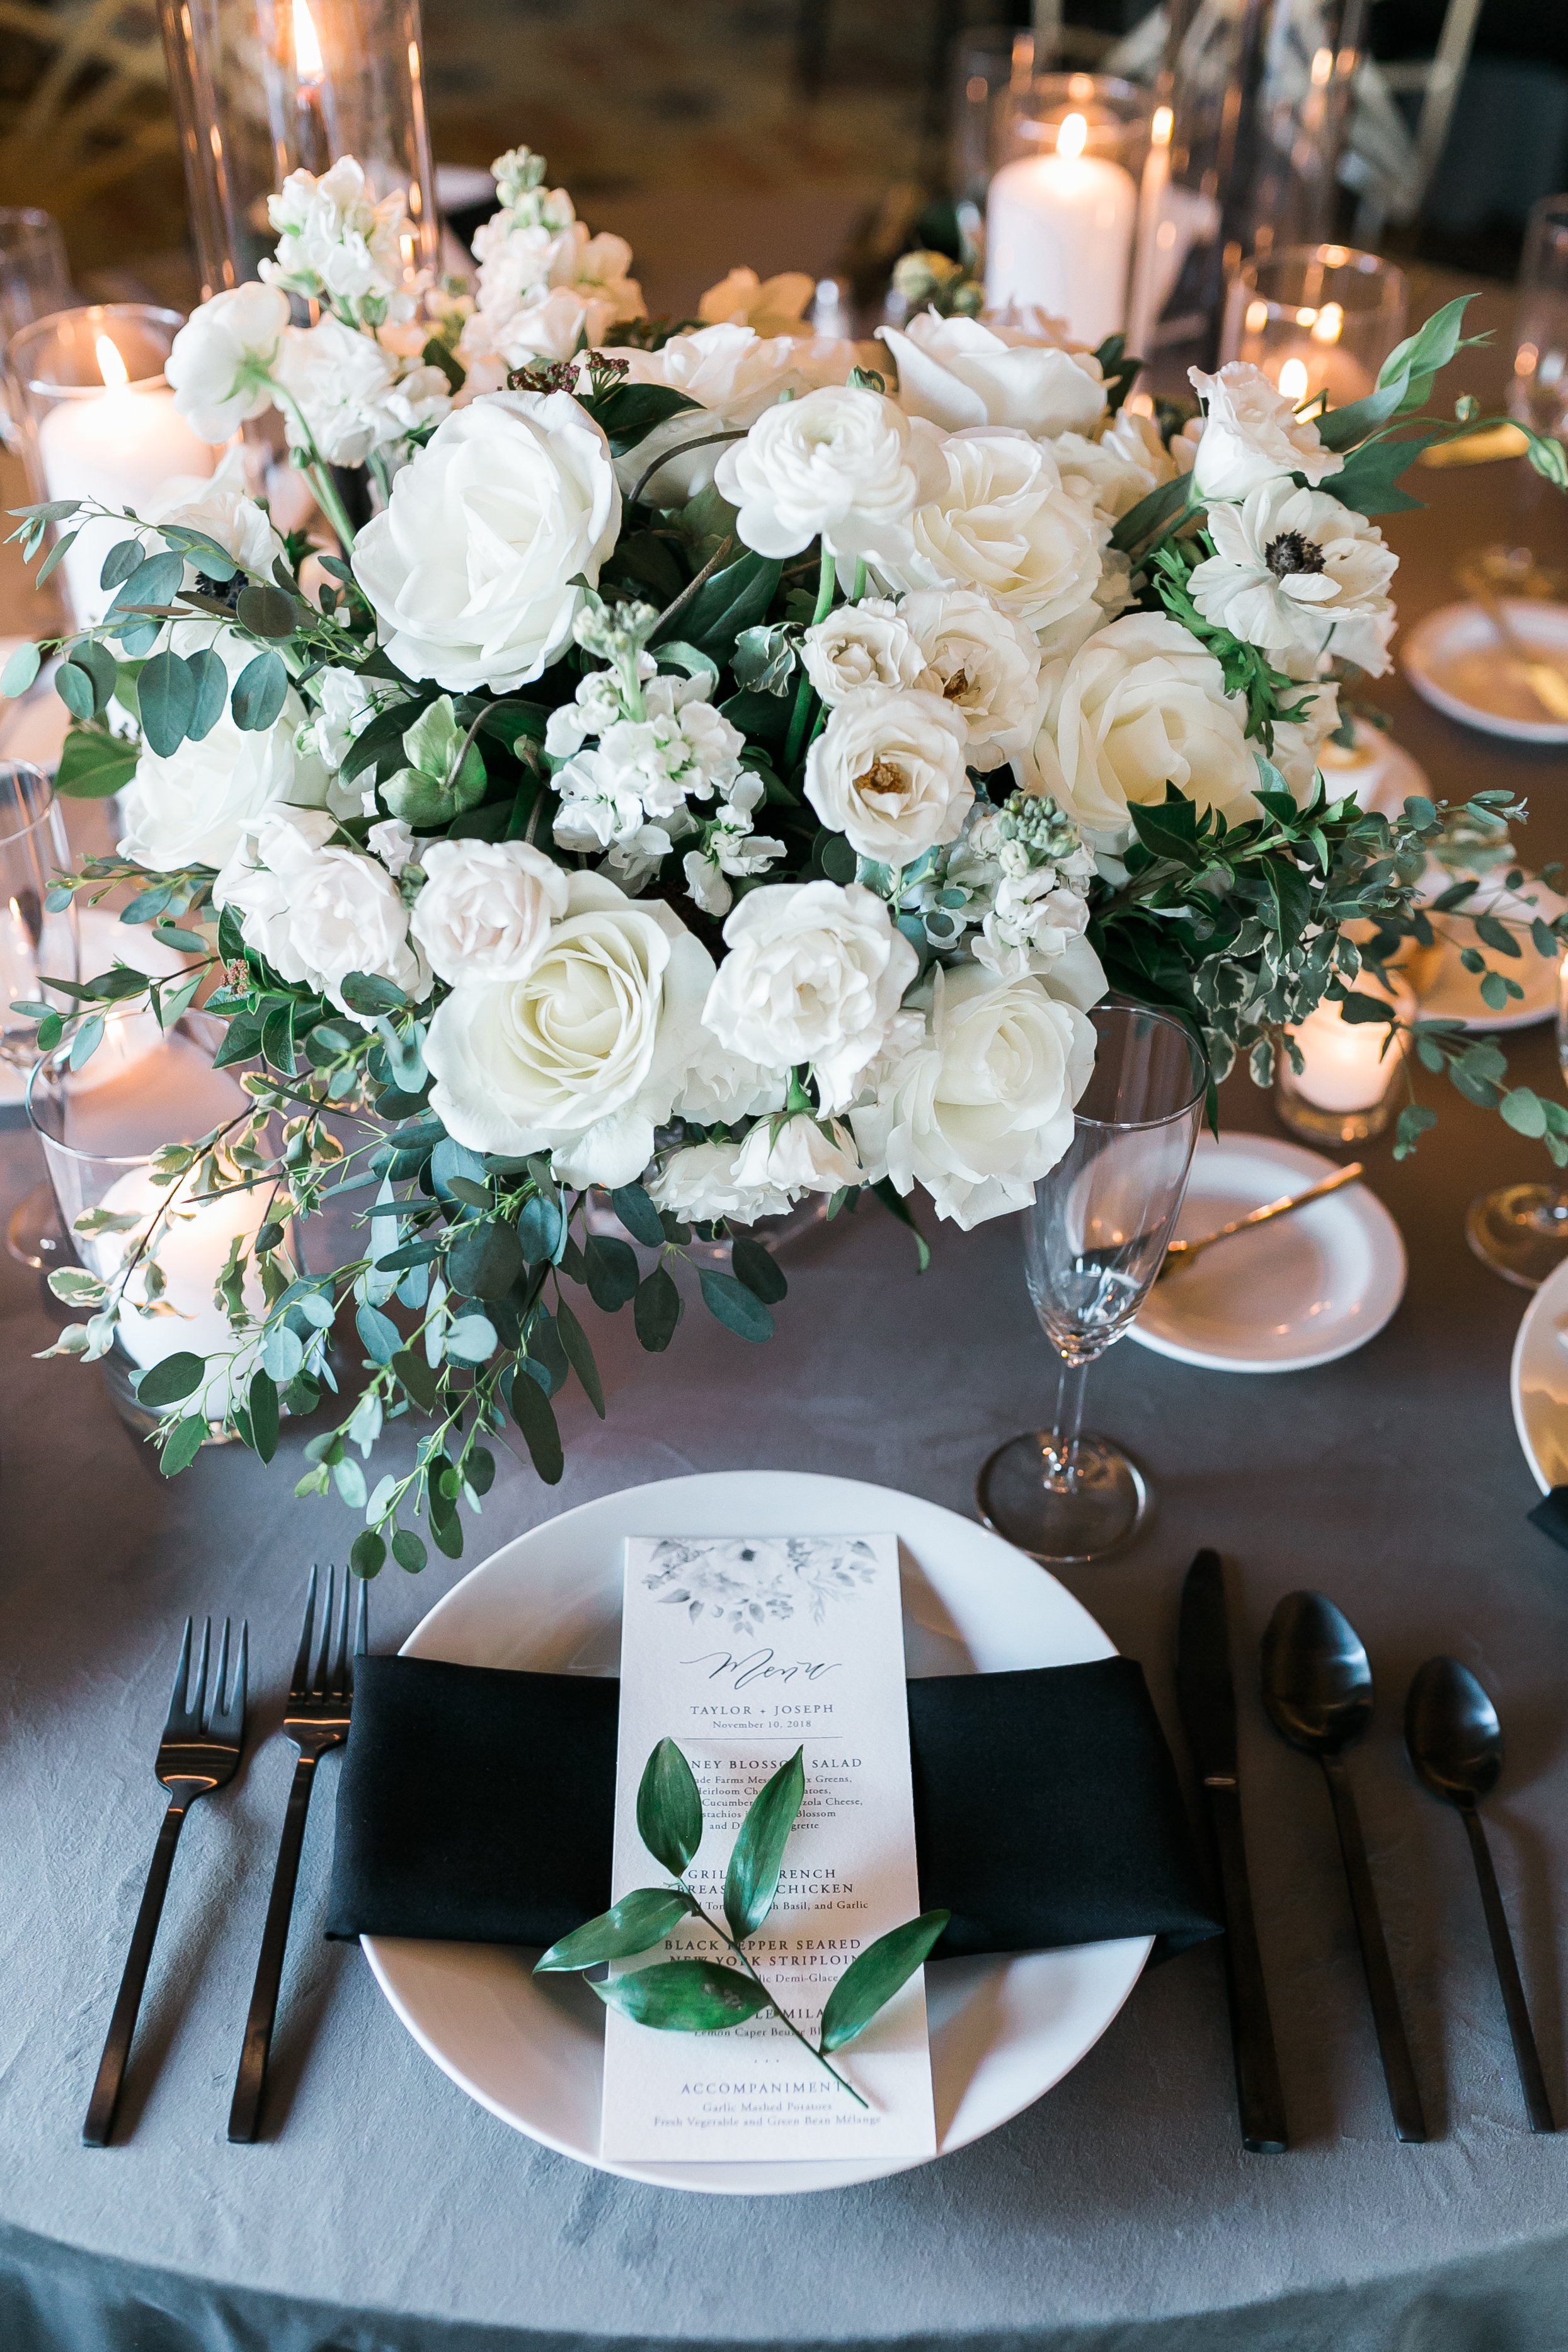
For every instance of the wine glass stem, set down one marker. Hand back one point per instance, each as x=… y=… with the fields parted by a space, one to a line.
x=1061 y=1446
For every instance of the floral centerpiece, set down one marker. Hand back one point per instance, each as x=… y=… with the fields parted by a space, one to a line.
x=726 y=770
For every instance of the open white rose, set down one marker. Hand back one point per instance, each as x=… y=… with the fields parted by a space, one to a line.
x=887 y=771
x=859 y=645
x=814 y=973
x=585 y=1056
x=701 y=1183
x=474 y=567
x=318 y=910
x=774 y=306
x=799 y=1155
x=983 y=663
x=1000 y=518
x=221 y=363
x=720 y=1089
x=837 y=464
x=733 y=373
x=191 y=808
x=1299 y=575
x=981 y=1107
x=956 y=372
x=1142 y=707
x=1251 y=434
x=487 y=907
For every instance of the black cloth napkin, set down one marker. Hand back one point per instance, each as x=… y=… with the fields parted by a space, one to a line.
x=1550 y=1516
x=475 y=1806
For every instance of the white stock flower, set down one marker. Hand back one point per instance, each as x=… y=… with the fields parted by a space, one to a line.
x=190 y=808
x=222 y=510
x=346 y=700
x=1299 y=575
x=730 y=851
x=474 y=567
x=349 y=392
x=887 y=771
x=333 y=239
x=683 y=749
x=813 y=973
x=836 y=464
x=320 y=909
x=1000 y=518
x=220 y=366
x=774 y=306
x=487 y=907
x=981 y=1107
x=984 y=664
x=857 y=645
x=1123 y=464
x=1251 y=434
x=956 y=372
x=733 y=373
x=585 y=1056
x=799 y=1155
x=1142 y=707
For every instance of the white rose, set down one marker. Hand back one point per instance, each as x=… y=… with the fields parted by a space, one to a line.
x=857 y=645
x=1142 y=707
x=220 y=366
x=1000 y=518
x=733 y=373
x=190 y=808
x=887 y=771
x=487 y=907
x=1251 y=434
x=774 y=306
x=721 y=1089
x=982 y=1107
x=584 y=1056
x=699 y=1184
x=393 y=842
x=1299 y=575
x=548 y=326
x=317 y=910
x=475 y=569
x=956 y=372
x=814 y=973
x=1127 y=461
x=799 y=1155
x=984 y=664
x=837 y=464
x=220 y=509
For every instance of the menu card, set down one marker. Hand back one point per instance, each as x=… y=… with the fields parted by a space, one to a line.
x=741 y=1650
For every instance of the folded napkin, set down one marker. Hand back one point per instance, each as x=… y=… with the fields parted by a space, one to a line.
x=1550 y=1516
x=475 y=1806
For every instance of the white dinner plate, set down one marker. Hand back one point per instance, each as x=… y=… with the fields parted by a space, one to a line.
x=1538 y=1381
x=1304 y=1290
x=1380 y=773
x=1449 y=993
x=1454 y=660
x=531 y=2049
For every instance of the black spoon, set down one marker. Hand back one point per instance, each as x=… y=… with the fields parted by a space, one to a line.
x=1455 y=1741
x=1317 y=1687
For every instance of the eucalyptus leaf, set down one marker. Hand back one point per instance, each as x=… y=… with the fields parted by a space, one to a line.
x=638 y=1214
x=579 y=1354
x=751 y=1881
x=737 y=1307
x=534 y=1416
x=657 y=1310
x=260 y=693
x=171 y=1380
x=635 y=1924
x=669 y=1807
x=166 y=692
x=20 y=670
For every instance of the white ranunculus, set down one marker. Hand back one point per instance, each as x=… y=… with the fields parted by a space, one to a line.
x=1000 y=518
x=837 y=464
x=1123 y=464
x=1299 y=575
x=221 y=509
x=700 y=1184
x=773 y=306
x=1142 y=707
x=190 y=808
x=956 y=372
x=733 y=373
x=476 y=568
x=813 y=973
x=318 y=910
x=984 y=664
x=857 y=645
x=981 y=1107
x=887 y=771
x=487 y=907
x=221 y=365
x=800 y=1155
x=1251 y=434
x=585 y=1056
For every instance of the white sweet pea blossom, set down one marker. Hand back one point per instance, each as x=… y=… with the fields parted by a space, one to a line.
x=392 y=840
x=729 y=850
x=345 y=701
x=1251 y=434
x=318 y=910
x=983 y=663
x=773 y=306
x=1299 y=576
x=958 y=372
x=838 y=465
x=223 y=510
x=857 y=645
x=349 y=394
x=888 y=772
x=485 y=909
x=700 y=1184
x=814 y=973
x=801 y=1154
x=221 y=363
x=1000 y=518
x=594 y=709
x=334 y=240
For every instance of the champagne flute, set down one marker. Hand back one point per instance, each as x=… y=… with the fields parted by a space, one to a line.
x=1093 y=1242
x=34 y=945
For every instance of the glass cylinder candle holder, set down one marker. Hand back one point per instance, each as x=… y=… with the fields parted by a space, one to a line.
x=1316 y=319
x=1346 y=1089
x=99 y=421
x=33 y=281
x=1538 y=390
x=1061 y=215
x=263 y=87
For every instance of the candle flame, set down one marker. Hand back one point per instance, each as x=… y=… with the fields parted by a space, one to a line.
x=1073 y=136
x=308 y=63
x=112 y=367
x=1293 y=378
x=1161 y=126
x=1329 y=324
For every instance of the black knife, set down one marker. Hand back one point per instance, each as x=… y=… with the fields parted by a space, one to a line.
x=1208 y=1698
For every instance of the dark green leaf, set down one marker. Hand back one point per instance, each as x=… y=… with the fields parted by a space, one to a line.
x=751 y=1881
x=259 y=692
x=1496 y=935
x=534 y=1416
x=479 y=1469
x=897 y=1206
x=737 y=1308
x=635 y=1924
x=546 y=1355
x=263 y=1406
x=871 y=1979
x=669 y=1807
x=212 y=682
x=369 y=992
x=612 y=1272
x=277 y=1039
x=638 y=1214
x=408 y=1551
x=417 y=1378
x=168 y=1382
x=93 y=765
x=731 y=601
x=574 y=1339
x=73 y=687
x=657 y=1310
x=684 y=1996
x=484 y=1260
x=1151 y=516
x=755 y=1266
x=539 y=1224
x=166 y=693
x=367 y=1555
x=266 y=611
x=182 y=1445
x=1524 y=1111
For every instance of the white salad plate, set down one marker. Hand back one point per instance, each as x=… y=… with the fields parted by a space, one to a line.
x=1450 y=992
x=530 y=2048
x=1538 y=1381
x=1304 y=1290
x=1455 y=661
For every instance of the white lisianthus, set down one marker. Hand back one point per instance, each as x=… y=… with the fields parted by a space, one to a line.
x=887 y=771
x=190 y=808
x=585 y=1056
x=1299 y=575
x=814 y=973
x=1123 y=464
x=1142 y=707
x=349 y=392
x=773 y=306
x=334 y=239
x=981 y=1107
x=983 y=663
x=487 y=907
x=956 y=372
x=837 y=464
x=220 y=366
x=733 y=374
x=1000 y=518
x=700 y=1184
x=799 y=1155
x=857 y=645
x=1251 y=434
x=318 y=910
x=221 y=508
x=476 y=568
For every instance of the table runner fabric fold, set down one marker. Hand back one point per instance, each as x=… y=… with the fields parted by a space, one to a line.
x=476 y=1805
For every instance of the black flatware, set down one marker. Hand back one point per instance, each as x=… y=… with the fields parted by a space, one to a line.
x=1207 y=1694
x=1317 y=1687
x=1455 y=1741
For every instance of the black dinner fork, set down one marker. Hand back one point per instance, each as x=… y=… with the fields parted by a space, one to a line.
x=316 y=1718
x=199 y=1751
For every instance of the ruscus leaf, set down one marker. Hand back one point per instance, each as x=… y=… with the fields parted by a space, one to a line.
x=751 y=1881
x=685 y=1996
x=874 y=1976
x=635 y=1924
x=669 y=1807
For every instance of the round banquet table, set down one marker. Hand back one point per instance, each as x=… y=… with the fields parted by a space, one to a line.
x=385 y=2212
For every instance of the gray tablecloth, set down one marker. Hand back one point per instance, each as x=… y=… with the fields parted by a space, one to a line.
x=388 y=2212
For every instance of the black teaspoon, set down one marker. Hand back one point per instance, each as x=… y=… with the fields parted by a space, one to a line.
x=1455 y=1740
x=1317 y=1687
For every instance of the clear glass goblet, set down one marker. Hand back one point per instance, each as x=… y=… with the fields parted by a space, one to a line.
x=1521 y=1231
x=1093 y=1242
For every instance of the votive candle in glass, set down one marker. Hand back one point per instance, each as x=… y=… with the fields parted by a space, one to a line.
x=1316 y=319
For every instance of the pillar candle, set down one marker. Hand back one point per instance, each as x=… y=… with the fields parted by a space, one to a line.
x=192 y=1248
x=1059 y=236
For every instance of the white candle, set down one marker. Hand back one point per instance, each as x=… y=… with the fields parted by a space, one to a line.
x=1344 y=1066
x=192 y=1247
x=1146 y=300
x=130 y=1034
x=120 y=446
x=1059 y=235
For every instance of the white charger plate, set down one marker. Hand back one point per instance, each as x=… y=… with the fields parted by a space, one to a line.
x=531 y=2049
x=1449 y=651
x=1304 y=1290
x=1538 y=1381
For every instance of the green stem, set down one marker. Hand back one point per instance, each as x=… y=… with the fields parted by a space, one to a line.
x=797 y=723
x=772 y=2001
x=316 y=473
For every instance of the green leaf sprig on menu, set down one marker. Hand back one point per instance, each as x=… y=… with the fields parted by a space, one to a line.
x=691 y=1996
